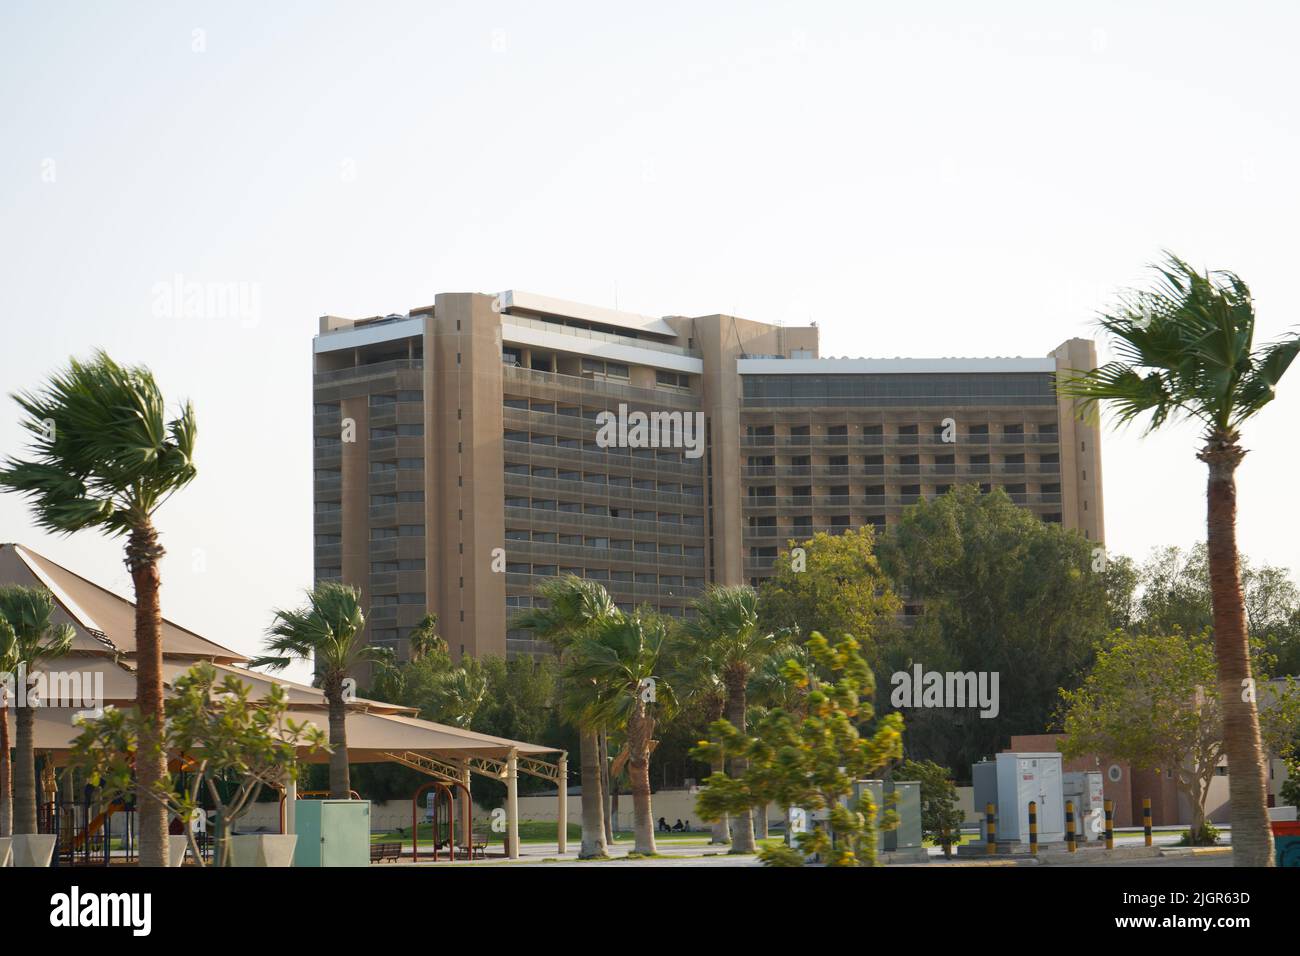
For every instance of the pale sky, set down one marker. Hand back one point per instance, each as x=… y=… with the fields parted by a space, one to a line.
x=965 y=183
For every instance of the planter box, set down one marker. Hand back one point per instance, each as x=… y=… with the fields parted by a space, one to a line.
x=6 y=850
x=176 y=847
x=262 y=849
x=33 y=849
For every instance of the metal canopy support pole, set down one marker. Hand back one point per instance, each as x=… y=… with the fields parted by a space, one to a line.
x=290 y=804
x=562 y=836
x=512 y=802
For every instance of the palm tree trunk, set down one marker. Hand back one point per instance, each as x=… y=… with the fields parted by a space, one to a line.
x=1252 y=839
x=340 y=774
x=640 y=727
x=606 y=807
x=6 y=776
x=743 y=830
x=143 y=551
x=25 y=772
x=721 y=828
x=593 y=816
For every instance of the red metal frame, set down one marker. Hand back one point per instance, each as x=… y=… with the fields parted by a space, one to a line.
x=443 y=789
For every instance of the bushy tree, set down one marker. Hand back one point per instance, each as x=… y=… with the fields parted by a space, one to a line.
x=1154 y=702
x=940 y=817
x=1001 y=592
x=811 y=761
x=829 y=583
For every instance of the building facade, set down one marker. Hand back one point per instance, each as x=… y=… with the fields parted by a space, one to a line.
x=471 y=449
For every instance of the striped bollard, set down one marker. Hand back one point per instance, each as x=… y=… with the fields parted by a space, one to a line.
x=990 y=829
x=1110 y=824
x=1070 y=843
x=1146 y=819
x=1033 y=828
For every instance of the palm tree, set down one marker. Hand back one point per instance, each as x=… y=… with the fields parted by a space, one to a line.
x=572 y=608
x=1185 y=349
x=329 y=631
x=105 y=456
x=425 y=639
x=699 y=685
x=623 y=660
x=730 y=635
x=8 y=666
x=28 y=612
x=460 y=693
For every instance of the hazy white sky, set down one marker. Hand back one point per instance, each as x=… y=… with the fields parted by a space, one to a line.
x=959 y=183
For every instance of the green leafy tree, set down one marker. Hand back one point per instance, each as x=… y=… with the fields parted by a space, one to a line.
x=104 y=455
x=328 y=630
x=730 y=641
x=214 y=732
x=570 y=609
x=1154 y=701
x=1002 y=592
x=941 y=819
x=29 y=613
x=829 y=583
x=1186 y=350
x=811 y=761
x=625 y=662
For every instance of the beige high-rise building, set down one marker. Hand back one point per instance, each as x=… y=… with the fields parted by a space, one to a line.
x=473 y=448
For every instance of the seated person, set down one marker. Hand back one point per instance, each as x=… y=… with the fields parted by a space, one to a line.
x=678 y=827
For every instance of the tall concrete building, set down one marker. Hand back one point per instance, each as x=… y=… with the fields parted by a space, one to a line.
x=473 y=448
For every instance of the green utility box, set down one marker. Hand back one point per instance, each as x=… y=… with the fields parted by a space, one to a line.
x=332 y=832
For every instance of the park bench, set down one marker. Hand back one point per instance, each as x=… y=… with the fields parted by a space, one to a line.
x=385 y=852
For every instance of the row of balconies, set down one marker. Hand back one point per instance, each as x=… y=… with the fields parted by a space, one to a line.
x=875 y=441
x=589 y=490
x=823 y=502
x=563 y=521
x=925 y=468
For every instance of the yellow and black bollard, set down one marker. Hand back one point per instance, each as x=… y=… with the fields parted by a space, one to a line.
x=1110 y=824
x=1033 y=828
x=1146 y=819
x=990 y=829
x=1070 y=843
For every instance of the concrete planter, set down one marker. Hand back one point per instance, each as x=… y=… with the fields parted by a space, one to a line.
x=176 y=847
x=6 y=850
x=263 y=849
x=33 y=849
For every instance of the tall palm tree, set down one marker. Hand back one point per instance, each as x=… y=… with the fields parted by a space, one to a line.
x=624 y=660
x=328 y=630
x=699 y=684
x=8 y=666
x=106 y=456
x=28 y=612
x=572 y=608
x=730 y=635
x=1185 y=349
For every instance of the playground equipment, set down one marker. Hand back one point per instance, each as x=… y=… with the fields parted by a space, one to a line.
x=446 y=796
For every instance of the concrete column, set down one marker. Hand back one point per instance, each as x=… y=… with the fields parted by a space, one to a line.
x=512 y=802
x=290 y=810
x=562 y=837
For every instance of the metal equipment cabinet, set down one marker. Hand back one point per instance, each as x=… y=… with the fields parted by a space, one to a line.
x=332 y=833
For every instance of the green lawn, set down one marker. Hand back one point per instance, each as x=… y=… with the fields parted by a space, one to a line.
x=530 y=831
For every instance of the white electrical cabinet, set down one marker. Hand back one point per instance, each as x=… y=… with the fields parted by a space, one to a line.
x=1011 y=781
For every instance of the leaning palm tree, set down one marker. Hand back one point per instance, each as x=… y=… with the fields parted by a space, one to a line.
x=728 y=631
x=571 y=608
x=1185 y=349
x=8 y=666
x=329 y=630
x=106 y=456
x=624 y=661
x=28 y=612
